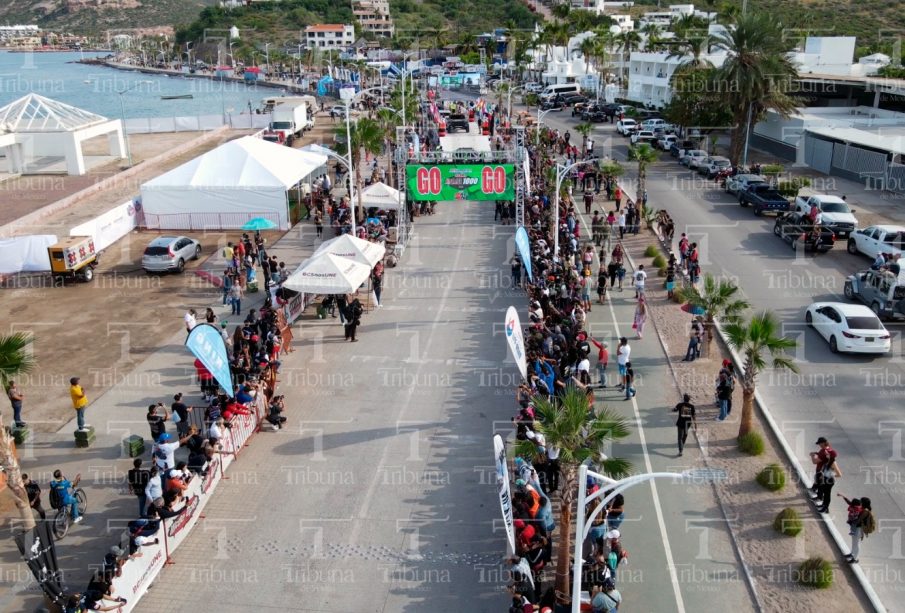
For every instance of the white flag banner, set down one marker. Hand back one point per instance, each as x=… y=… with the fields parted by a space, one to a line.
x=516 y=341
x=502 y=479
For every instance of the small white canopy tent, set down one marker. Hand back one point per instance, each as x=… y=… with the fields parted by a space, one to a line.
x=380 y=195
x=224 y=188
x=352 y=248
x=38 y=132
x=328 y=274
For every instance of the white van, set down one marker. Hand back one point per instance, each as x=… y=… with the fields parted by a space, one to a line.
x=561 y=88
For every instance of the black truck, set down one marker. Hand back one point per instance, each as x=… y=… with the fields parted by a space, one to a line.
x=763 y=197
x=797 y=230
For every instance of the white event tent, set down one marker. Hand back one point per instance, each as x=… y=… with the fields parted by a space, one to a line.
x=352 y=248
x=381 y=196
x=224 y=188
x=328 y=274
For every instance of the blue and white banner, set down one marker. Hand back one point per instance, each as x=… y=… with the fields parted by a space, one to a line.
x=206 y=343
x=516 y=340
x=524 y=250
x=502 y=481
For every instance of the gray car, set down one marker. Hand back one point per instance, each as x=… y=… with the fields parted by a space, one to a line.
x=168 y=253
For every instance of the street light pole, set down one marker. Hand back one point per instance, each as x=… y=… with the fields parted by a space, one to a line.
x=267 y=56
x=540 y=118
x=560 y=175
x=122 y=113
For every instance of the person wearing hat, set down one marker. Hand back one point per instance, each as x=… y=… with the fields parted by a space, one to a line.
x=79 y=401
x=605 y=598
x=685 y=420
x=164 y=450
x=826 y=471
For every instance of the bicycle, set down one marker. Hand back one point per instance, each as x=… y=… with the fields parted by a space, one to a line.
x=63 y=519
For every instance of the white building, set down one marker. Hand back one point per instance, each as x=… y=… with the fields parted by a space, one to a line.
x=374 y=17
x=329 y=36
x=650 y=75
x=624 y=23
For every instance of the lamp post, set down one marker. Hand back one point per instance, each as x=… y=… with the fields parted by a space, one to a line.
x=509 y=98
x=267 y=56
x=540 y=118
x=404 y=70
x=122 y=111
x=560 y=176
x=300 y=61
x=611 y=489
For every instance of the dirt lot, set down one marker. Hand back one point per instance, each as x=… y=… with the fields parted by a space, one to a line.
x=103 y=329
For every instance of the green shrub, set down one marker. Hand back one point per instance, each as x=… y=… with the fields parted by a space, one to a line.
x=815 y=572
x=788 y=522
x=751 y=443
x=659 y=262
x=772 y=477
x=651 y=251
x=790 y=188
x=771 y=169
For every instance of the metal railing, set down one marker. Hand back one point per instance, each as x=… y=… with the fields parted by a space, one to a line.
x=203 y=221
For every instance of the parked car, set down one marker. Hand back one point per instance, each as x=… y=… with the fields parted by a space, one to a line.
x=852 y=328
x=677 y=150
x=626 y=126
x=652 y=123
x=740 y=182
x=642 y=136
x=715 y=165
x=339 y=110
x=693 y=158
x=874 y=240
x=534 y=88
x=883 y=291
x=798 y=231
x=580 y=108
x=553 y=104
x=166 y=253
x=835 y=213
x=666 y=141
x=573 y=99
x=763 y=197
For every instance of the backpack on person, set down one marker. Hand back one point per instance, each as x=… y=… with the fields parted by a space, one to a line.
x=55 y=498
x=868 y=522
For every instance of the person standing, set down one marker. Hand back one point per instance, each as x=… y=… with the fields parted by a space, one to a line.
x=34 y=495
x=180 y=413
x=617 y=196
x=623 y=354
x=826 y=471
x=226 y=283
x=588 y=201
x=353 y=319
x=863 y=525
x=16 y=397
x=79 y=401
x=621 y=220
x=640 y=278
x=319 y=223
x=157 y=421
x=235 y=298
x=685 y=420
x=377 y=281
x=603 y=360
x=629 y=381
x=137 y=479
x=190 y=319
x=723 y=395
x=516 y=267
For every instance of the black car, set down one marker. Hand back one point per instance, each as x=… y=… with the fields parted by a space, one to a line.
x=552 y=105
x=457 y=121
x=572 y=99
x=678 y=146
x=797 y=230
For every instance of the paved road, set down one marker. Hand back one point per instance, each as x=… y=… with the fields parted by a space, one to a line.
x=855 y=401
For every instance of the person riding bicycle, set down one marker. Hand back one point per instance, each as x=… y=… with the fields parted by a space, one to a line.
x=65 y=491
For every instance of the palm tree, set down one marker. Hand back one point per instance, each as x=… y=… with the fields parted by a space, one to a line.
x=628 y=41
x=585 y=130
x=644 y=155
x=759 y=336
x=652 y=33
x=15 y=360
x=687 y=24
x=692 y=50
x=579 y=434
x=756 y=75
x=718 y=300
x=367 y=136
x=561 y=11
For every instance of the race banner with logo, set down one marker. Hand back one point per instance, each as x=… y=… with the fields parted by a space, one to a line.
x=206 y=343
x=523 y=244
x=38 y=551
x=443 y=182
x=502 y=479
x=516 y=341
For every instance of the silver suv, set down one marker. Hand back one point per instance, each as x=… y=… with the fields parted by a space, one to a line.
x=168 y=253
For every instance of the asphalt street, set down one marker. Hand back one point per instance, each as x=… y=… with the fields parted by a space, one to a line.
x=855 y=401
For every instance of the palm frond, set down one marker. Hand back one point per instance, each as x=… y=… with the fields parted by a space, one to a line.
x=15 y=359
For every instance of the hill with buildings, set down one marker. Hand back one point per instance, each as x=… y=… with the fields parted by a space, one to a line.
x=94 y=17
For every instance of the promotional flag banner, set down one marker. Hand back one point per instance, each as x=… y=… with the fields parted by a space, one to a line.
x=516 y=341
x=38 y=551
x=502 y=478
x=523 y=244
x=206 y=343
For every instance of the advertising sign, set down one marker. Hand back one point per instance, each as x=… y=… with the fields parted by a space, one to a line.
x=516 y=341
x=460 y=182
x=206 y=343
x=523 y=244
x=502 y=478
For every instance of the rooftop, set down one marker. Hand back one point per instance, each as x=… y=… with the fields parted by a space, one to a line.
x=327 y=27
x=34 y=113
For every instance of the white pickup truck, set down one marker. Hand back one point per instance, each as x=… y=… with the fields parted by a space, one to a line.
x=834 y=212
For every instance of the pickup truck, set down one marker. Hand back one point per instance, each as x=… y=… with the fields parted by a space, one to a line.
x=874 y=240
x=881 y=290
x=834 y=212
x=763 y=197
x=457 y=121
x=798 y=231
x=736 y=184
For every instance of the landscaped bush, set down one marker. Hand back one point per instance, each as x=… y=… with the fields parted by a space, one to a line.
x=772 y=477
x=751 y=443
x=790 y=188
x=651 y=251
x=788 y=522
x=816 y=572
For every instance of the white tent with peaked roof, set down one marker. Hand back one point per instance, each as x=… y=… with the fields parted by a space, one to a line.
x=36 y=132
x=352 y=248
x=328 y=274
x=225 y=187
x=380 y=195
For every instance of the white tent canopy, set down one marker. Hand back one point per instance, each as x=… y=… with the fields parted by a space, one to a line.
x=380 y=195
x=328 y=274
x=224 y=188
x=352 y=248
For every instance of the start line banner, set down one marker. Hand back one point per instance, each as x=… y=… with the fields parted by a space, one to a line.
x=460 y=182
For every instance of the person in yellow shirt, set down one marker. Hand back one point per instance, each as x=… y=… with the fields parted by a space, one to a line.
x=79 y=401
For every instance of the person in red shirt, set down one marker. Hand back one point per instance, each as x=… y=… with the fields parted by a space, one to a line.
x=233 y=408
x=603 y=359
x=826 y=470
x=206 y=380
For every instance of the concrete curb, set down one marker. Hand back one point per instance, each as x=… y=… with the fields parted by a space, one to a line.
x=64 y=203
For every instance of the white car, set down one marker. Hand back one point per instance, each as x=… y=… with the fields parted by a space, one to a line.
x=643 y=136
x=740 y=183
x=534 y=88
x=626 y=126
x=693 y=158
x=874 y=240
x=851 y=328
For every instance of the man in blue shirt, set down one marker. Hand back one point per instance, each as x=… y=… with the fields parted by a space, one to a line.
x=65 y=490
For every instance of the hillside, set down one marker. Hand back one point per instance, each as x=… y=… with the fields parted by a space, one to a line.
x=92 y=17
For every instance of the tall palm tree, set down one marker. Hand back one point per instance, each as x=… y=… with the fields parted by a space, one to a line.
x=718 y=299
x=628 y=41
x=692 y=51
x=561 y=11
x=758 y=340
x=585 y=130
x=689 y=24
x=653 y=36
x=756 y=75
x=644 y=155
x=15 y=360
x=579 y=434
x=367 y=137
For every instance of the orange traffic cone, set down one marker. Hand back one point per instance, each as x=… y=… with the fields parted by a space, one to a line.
x=442 y=127
x=471 y=115
x=485 y=127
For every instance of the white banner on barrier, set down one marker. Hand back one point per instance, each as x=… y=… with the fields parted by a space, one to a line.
x=111 y=226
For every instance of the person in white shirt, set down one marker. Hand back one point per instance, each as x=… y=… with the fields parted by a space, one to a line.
x=154 y=489
x=640 y=279
x=623 y=355
x=621 y=222
x=165 y=450
x=190 y=320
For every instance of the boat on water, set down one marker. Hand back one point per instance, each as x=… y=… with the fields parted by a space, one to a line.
x=179 y=97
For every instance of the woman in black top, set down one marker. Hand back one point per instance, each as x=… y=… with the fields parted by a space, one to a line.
x=686 y=419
